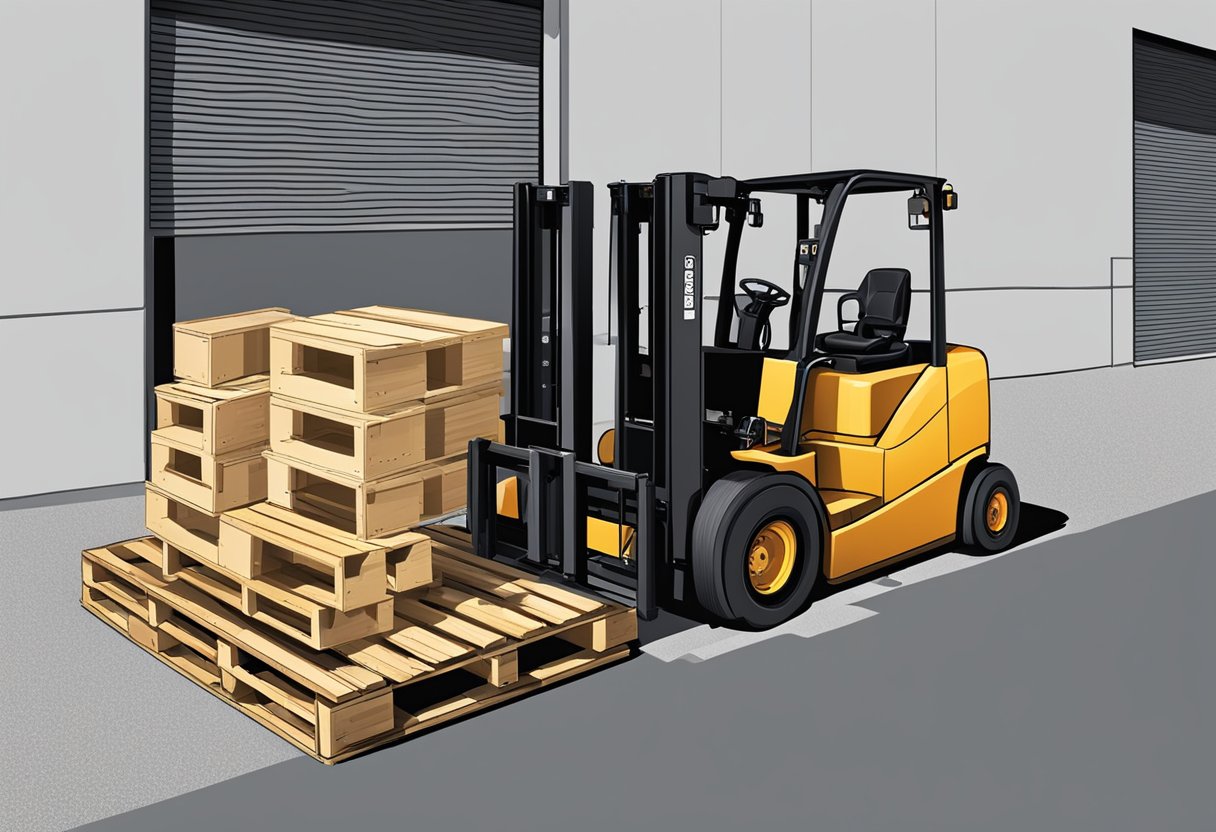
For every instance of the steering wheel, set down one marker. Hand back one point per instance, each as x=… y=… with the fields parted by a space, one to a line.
x=761 y=291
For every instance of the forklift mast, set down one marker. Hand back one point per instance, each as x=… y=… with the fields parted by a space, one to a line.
x=659 y=403
x=551 y=338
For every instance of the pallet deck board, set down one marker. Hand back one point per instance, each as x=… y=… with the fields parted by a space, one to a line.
x=461 y=645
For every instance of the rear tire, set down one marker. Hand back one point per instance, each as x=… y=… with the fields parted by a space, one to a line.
x=991 y=511
x=757 y=545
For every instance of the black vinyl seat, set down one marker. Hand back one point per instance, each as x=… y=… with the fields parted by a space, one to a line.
x=885 y=299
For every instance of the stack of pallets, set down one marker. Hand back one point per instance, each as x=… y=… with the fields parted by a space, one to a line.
x=288 y=573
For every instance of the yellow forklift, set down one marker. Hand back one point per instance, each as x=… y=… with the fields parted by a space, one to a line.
x=736 y=475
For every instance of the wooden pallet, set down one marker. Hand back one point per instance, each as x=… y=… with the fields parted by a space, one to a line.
x=377 y=445
x=378 y=357
x=367 y=508
x=486 y=635
x=210 y=483
x=215 y=420
x=211 y=351
x=307 y=557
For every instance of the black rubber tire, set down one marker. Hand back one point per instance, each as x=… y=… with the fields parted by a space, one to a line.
x=734 y=509
x=972 y=526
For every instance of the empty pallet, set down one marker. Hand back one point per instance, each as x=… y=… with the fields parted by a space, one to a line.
x=211 y=351
x=487 y=635
x=376 y=445
x=366 y=508
x=215 y=420
x=208 y=482
x=300 y=555
x=376 y=358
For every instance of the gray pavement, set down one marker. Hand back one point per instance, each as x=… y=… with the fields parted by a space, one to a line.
x=1065 y=687
x=94 y=728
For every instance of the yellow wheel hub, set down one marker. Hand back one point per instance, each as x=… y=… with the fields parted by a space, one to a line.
x=770 y=559
x=997 y=513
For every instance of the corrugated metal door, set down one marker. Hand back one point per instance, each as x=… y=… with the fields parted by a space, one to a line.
x=1175 y=199
x=286 y=115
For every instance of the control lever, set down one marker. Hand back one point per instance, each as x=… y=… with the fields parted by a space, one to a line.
x=756 y=430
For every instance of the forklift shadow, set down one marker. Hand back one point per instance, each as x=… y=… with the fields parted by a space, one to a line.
x=1036 y=522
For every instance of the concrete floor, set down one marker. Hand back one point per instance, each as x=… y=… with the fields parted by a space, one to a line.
x=1066 y=686
x=100 y=728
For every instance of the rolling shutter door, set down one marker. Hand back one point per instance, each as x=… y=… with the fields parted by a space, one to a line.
x=290 y=115
x=1175 y=200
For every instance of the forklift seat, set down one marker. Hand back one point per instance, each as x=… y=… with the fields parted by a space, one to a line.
x=885 y=297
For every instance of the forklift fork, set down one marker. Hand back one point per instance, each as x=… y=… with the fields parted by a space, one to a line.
x=554 y=515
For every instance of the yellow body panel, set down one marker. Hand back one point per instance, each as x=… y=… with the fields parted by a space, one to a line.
x=968 y=400
x=855 y=404
x=922 y=455
x=926 y=515
x=844 y=507
x=921 y=403
x=803 y=463
x=887 y=451
x=776 y=389
x=609 y=538
x=840 y=466
x=508 y=497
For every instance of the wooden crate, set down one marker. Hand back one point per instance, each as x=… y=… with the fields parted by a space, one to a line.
x=486 y=635
x=319 y=562
x=208 y=482
x=377 y=358
x=185 y=526
x=215 y=420
x=367 y=508
x=377 y=445
x=211 y=351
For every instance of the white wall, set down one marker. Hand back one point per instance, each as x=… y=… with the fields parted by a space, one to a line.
x=1025 y=105
x=71 y=244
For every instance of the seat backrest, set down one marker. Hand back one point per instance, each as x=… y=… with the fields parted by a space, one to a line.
x=886 y=298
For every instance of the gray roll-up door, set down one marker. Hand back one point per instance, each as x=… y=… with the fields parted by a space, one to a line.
x=1175 y=199
x=302 y=115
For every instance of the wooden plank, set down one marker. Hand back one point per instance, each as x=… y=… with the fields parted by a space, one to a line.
x=493 y=616
x=553 y=593
x=455 y=571
x=389 y=663
x=448 y=624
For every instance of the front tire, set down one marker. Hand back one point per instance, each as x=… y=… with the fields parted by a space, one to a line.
x=757 y=544
x=991 y=510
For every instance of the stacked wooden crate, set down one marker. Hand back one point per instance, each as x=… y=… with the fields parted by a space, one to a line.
x=372 y=411
x=288 y=575
x=212 y=425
